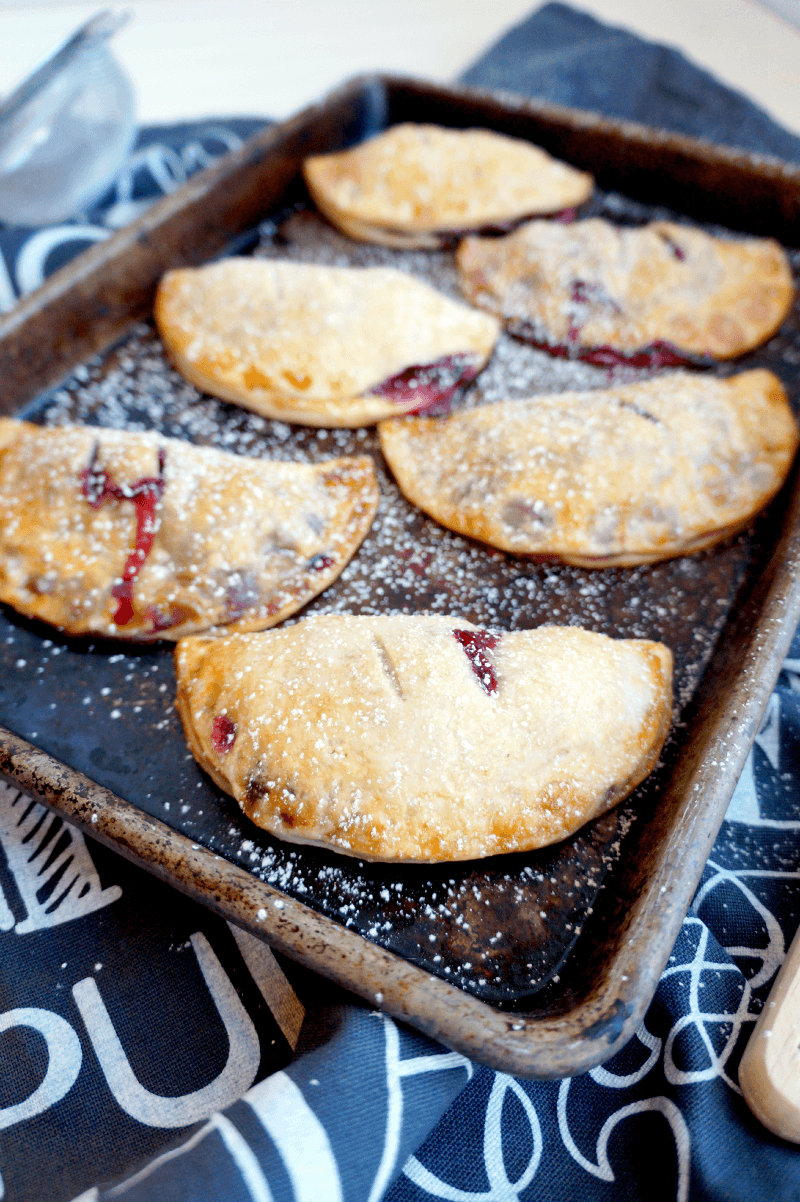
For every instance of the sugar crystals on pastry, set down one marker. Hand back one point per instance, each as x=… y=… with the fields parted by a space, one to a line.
x=613 y=477
x=424 y=738
x=138 y=536
x=322 y=346
x=662 y=294
x=415 y=185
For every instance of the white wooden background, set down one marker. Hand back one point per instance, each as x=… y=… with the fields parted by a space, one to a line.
x=197 y=58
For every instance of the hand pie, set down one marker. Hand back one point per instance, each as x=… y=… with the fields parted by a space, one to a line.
x=323 y=346
x=418 y=185
x=424 y=739
x=142 y=537
x=655 y=296
x=609 y=478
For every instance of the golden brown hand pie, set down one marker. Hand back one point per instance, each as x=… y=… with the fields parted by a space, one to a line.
x=424 y=738
x=143 y=537
x=657 y=295
x=417 y=184
x=614 y=477
x=323 y=346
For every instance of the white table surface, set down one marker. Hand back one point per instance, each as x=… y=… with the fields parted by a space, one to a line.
x=197 y=58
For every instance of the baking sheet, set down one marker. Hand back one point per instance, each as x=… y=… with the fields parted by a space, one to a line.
x=508 y=930
x=501 y=929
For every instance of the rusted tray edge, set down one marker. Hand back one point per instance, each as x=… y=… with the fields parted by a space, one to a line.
x=691 y=175
x=705 y=778
x=701 y=149
x=525 y=1045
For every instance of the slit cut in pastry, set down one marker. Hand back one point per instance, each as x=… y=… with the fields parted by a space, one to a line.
x=322 y=346
x=424 y=739
x=662 y=295
x=419 y=185
x=141 y=537
x=610 y=478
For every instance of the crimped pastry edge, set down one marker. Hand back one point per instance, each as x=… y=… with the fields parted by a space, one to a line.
x=661 y=709
x=629 y=558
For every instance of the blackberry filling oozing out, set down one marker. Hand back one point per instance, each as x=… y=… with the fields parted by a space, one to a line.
x=584 y=293
x=175 y=616
x=677 y=251
x=475 y=643
x=321 y=562
x=96 y=487
x=432 y=385
x=223 y=734
x=449 y=239
x=657 y=354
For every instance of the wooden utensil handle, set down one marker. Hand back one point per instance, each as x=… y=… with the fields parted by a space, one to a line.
x=769 y=1073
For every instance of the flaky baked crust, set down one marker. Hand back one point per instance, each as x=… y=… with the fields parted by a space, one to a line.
x=593 y=284
x=227 y=542
x=423 y=739
x=311 y=344
x=616 y=477
x=414 y=184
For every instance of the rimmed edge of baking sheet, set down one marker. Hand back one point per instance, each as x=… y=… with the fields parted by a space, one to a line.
x=73 y=316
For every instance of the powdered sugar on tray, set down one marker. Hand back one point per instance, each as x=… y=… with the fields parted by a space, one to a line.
x=501 y=928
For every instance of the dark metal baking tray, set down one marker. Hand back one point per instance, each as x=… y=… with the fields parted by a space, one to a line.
x=539 y=964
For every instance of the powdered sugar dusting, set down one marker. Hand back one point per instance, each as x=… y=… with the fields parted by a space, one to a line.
x=501 y=929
